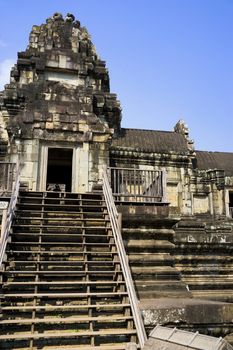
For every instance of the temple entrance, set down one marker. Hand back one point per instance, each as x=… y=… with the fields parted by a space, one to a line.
x=59 y=169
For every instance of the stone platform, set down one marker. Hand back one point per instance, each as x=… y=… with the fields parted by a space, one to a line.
x=208 y=317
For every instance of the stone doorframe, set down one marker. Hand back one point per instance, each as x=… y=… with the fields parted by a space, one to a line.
x=227 y=202
x=43 y=164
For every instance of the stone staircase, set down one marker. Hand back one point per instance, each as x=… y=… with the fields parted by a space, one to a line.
x=204 y=257
x=150 y=247
x=62 y=283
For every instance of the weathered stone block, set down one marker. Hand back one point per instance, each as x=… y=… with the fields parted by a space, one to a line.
x=49 y=125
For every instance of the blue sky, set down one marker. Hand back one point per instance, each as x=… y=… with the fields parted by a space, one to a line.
x=168 y=59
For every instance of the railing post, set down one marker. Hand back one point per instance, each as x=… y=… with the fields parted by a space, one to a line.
x=164 y=185
x=108 y=170
x=3 y=224
x=119 y=219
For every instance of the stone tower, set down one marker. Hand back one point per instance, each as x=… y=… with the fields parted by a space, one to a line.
x=58 y=115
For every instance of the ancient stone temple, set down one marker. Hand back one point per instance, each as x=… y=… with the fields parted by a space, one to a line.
x=78 y=190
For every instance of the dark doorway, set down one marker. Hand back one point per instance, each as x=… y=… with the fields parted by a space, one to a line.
x=231 y=199
x=59 y=171
x=231 y=204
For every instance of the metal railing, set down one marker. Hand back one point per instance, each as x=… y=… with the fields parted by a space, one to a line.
x=137 y=185
x=189 y=340
x=231 y=212
x=8 y=173
x=113 y=215
x=7 y=219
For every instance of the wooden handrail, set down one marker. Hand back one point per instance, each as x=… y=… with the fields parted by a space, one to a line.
x=113 y=215
x=8 y=220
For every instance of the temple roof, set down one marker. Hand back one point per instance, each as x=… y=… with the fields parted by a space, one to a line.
x=151 y=141
x=59 y=84
x=215 y=160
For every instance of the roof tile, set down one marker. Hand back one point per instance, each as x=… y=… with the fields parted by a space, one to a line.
x=215 y=160
x=151 y=141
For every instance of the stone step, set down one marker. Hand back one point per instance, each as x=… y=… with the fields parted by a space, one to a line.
x=203 y=258
x=60 y=272
x=160 y=286
x=54 y=276
x=99 y=306
x=63 y=334
x=55 y=260
x=205 y=269
x=62 y=286
x=155 y=273
x=66 y=262
x=62 y=282
x=57 y=227
x=59 y=262
x=55 y=268
x=154 y=294
x=63 y=268
x=76 y=220
x=65 y=200
x=203 y=247
x=152 y=233
x=59 y=194
x=119 y=346
x=62 y=295
x=64 y=214
x=109 y=346
x=58 y=250
x=154 y=270
x=223 y=285
x=61 y=275
x=21 y=236
x=62 y=320
x=217 y=295
x=151 y=259
x=54 y=253
x=213 y=279
x=23 y=205
x=65 y=243
x=54 y=233
x=148 y=245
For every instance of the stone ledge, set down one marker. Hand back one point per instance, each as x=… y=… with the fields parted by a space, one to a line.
x=193 y=314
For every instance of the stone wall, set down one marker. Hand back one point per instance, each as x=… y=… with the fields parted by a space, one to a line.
x=189 y=190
